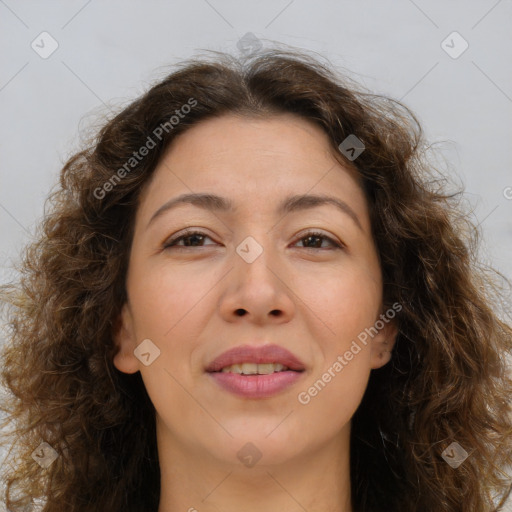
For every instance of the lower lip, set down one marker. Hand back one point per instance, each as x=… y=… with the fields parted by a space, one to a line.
x=256 y=386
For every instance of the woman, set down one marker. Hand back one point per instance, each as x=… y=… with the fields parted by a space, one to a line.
x=251 y=294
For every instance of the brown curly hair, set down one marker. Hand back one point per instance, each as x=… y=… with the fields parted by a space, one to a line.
x=447 y=380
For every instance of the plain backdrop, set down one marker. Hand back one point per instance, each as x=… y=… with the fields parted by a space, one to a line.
x=449 y=61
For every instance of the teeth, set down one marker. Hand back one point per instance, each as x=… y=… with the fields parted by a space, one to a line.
x=254 y=369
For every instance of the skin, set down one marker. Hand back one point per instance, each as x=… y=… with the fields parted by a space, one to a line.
x=185 y=300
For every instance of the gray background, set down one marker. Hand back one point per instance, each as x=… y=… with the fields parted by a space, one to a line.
x=110 y=52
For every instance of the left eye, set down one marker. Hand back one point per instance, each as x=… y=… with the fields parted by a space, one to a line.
x=194 y=239
x=190 y=238
x=312 y=236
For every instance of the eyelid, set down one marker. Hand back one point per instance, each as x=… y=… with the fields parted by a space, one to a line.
x=338 y=244
x=184 y=233
x=334 y=241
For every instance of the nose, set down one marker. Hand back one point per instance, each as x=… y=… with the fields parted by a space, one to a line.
x=258 y=291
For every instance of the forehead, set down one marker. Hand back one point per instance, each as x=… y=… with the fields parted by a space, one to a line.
x=253 y=161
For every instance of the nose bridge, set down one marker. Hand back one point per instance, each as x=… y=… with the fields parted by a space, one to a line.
x=255 y=287
x=254 y=261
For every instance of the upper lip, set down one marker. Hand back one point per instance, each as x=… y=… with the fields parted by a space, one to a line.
x=259 y=355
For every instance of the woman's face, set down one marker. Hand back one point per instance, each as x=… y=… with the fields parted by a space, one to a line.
x=254 y=276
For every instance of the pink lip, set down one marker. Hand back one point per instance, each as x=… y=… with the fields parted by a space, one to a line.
x=258 y=355
x=256 y=386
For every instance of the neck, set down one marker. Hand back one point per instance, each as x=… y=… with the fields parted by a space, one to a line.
x=195 y=481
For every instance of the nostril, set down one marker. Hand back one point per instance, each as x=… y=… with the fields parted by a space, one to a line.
x=242 y=312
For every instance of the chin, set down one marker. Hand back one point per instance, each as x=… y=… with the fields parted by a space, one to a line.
x=253 y=448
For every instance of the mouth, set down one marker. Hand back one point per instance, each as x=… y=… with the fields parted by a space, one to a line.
x=256 y=372
x=252 y=359
x=256 y=369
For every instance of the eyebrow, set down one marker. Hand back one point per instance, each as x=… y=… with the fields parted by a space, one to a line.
x=293 y=203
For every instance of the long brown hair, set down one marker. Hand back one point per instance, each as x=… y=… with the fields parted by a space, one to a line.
x=447 y=380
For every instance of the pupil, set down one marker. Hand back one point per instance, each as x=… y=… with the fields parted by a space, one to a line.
x=190 y=237
x=310 y=237
x=198 y=239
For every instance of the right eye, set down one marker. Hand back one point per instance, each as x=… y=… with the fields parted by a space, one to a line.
x=190 y=238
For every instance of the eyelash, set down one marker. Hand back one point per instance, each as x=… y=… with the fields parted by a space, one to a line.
x=172 y=242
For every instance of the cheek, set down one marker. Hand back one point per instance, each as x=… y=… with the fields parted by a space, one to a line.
x=166 y=299
x=345 y=301
x=171 y=310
